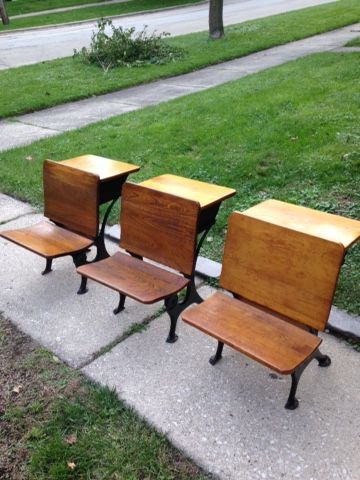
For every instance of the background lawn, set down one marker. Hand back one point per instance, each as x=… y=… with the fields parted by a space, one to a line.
x=291 y=133
x=354 y=43
x=51 y=416
x=90 y=13
x=66 y=79
x=19 y=7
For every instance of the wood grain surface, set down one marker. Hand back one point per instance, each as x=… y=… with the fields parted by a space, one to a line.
x=289 y=272
x=258 y=334
x=159 y=226
x=134 y=278
x=207 y=194
x=47 y=240
x=313 y=222
x=71 y=198
x=105 y=168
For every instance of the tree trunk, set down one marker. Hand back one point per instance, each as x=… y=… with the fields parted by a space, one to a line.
x=216 y=25
x=3 y=14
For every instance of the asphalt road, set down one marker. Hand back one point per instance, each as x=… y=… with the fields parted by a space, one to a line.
x=27 y=47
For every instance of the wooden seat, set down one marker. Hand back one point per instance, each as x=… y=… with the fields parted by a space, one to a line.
x=48 y=240
x=135 y=278
x=281 y=346
x=71 y=204
x=160 y=227
x=283 y=282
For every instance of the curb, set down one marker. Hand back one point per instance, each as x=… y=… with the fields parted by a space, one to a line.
x=91 y=20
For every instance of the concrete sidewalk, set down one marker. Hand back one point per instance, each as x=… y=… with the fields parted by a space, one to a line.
x=230 y=419
x=25 y=129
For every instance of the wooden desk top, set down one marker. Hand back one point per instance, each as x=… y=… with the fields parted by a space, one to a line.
x=105 y=168
x=206 y=194
x=313 y=222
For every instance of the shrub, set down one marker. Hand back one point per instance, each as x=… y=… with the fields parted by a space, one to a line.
x=126 y=47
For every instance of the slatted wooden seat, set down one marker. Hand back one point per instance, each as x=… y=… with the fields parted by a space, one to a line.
x=160 y=227
x=283 y=282
x=71 y=205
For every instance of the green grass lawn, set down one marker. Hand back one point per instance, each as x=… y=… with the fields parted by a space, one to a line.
x=291 y=133
x=91 y=13
x=19 y=7
x=65 y=80
x=354 y=43
x=56 y=425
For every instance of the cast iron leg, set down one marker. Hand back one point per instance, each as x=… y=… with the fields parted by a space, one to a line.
x=80 y=259
x=215 y=358
x=101 y=251
x=292 y=402
x=48 y=266
x=172 y=308
x=192 y=295
x=121 y=306
x=82 y=288
x=324 y=360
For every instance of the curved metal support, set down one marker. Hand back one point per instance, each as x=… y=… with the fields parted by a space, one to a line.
x=192 y=295
x=292 y=402
x=101 y=251
x=48 y=268
x=201 y=241
x=173 y=310
x=80 y=259
x=218 y=355
x=121 y=304
x=324 y=360
x=82 y=288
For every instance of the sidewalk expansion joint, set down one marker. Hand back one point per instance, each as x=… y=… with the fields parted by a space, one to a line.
x=17 y=120
x=132 y=330
x=16 y=218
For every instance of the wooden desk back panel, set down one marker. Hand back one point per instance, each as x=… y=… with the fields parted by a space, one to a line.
x=291 y=273
x=159 y=226
x=71 y=198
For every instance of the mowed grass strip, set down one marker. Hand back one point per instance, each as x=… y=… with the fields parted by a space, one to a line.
x=43 y=85
x=54 y=424
x=94 y=12
x=291 y=133
x=354 y=43
x=20 y=7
